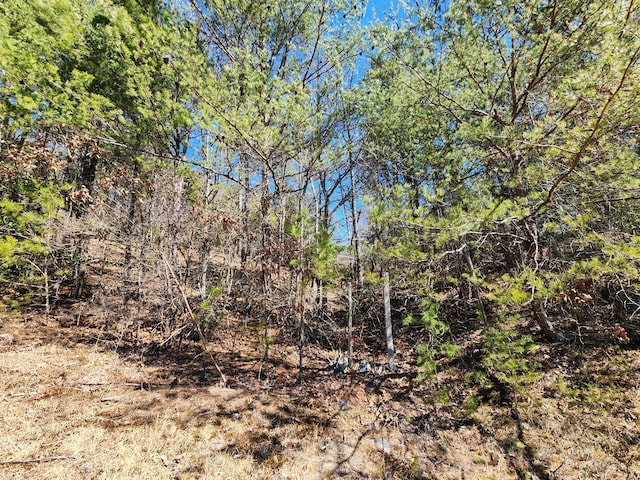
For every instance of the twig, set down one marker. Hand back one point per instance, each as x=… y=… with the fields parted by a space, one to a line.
x=39 y=460
x=13 y=395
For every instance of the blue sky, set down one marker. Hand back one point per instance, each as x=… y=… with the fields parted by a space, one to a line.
x=378 y=9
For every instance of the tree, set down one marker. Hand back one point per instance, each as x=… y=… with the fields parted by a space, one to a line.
x=91 y=94
x=517 y=163
x=272 y=107
x=46 y=107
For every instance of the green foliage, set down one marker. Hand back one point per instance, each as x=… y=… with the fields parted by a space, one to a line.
x=319 y=253
x=471 y=404
x=427 y=353
x=565 y=390
x=85 y=87
x=429 y=318
x=207 y=313
x=497 y=145
x=323 y=258
x=427 y=362
x=507 y=355
x=41 y=49
x=24 y=248
x=440 y=398
x=449 y=349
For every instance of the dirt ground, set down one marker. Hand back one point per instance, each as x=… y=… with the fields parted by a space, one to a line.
x=74 y=404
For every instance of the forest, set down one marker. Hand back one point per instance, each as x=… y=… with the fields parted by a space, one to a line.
x=431 y=206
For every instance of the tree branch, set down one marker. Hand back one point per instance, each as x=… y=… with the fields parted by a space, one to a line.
x=590 y=139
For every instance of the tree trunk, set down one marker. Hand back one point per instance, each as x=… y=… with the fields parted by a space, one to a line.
x=301 y=316
x=474 y=286
x=357 y=267
x=389 y=327
x=350 y=327
x=542 y=319
x=128 y=235
x=82 y=249
x=243 y=211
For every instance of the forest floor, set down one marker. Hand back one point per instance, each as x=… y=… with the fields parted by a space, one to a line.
x=77 y=403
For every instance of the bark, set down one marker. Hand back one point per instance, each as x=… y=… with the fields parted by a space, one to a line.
x=89 y=167
x=128 y=235
x=357 y=266
x=350 y=327
x=79 y=266
x=301 y=338
x=476 y=290
x=389 y=327
x=542 y=319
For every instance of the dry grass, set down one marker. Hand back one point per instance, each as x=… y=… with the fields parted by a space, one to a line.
x=79 y=410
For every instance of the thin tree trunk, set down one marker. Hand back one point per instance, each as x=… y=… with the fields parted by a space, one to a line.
x=230 y=272
x=265 y=227
x=475 y=288
x=301 y=338
x=78 y=277
x=350 y=326
x=356 y=234
x=204 y=266
x=174 y=218
x=243 y=246
x=47 y=303
x=389 y=327
x=300 y=290
x=542 y=319
x=128 y=233
x=205 y=249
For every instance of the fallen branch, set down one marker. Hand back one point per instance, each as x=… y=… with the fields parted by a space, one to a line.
x=38 y=460
x=194 y=320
